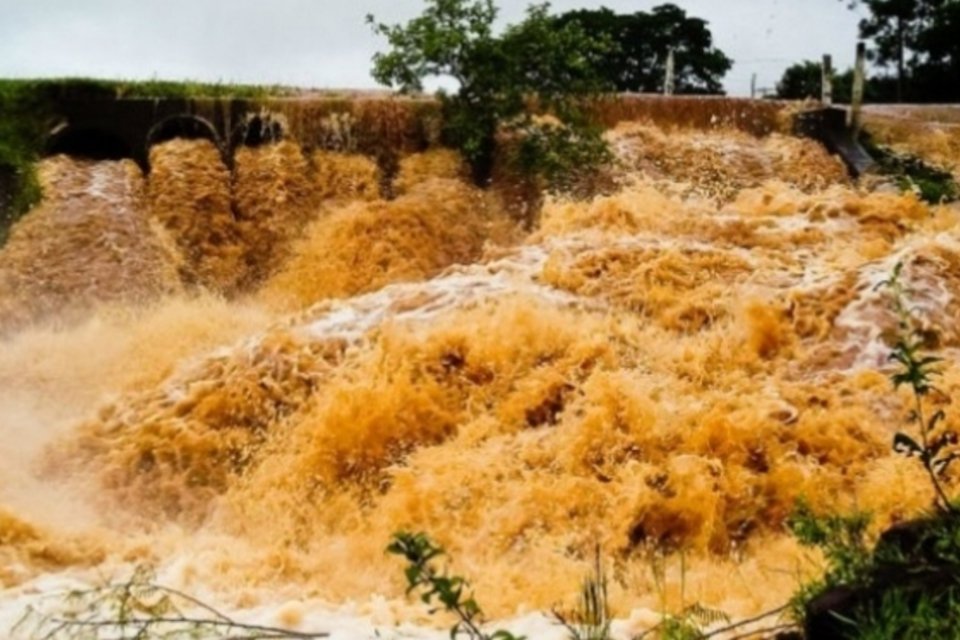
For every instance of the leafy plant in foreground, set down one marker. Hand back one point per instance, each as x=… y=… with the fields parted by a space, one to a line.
x=422 y=574
x=590 y=620
x=917 y=370
x=906 y=586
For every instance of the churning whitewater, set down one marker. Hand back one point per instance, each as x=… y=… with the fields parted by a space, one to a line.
x=249 y=379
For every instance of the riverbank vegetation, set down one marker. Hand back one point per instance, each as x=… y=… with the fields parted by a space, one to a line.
x=498 y=78
x=22 y=129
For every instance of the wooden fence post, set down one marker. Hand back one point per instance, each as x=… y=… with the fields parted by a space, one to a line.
x=826 y=95
x=859 y=78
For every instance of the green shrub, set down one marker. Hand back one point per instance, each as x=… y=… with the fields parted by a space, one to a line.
x=842 y=539
x=23 y=124
x=562 y=157
x=910 y=173
x=535 y=64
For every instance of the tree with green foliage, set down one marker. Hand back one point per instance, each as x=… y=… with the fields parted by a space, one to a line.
x=801 y=81
x=937 y=74
x=642 y=39
x=918 y=39
x=895 y=27
x=500 y=78
x=805 y=80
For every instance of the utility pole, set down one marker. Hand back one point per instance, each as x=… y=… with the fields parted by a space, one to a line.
x=826 y=96
x=859 y=78
x=753 y=87
x=669 y=83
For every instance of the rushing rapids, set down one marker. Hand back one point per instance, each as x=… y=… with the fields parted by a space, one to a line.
x=251 y=380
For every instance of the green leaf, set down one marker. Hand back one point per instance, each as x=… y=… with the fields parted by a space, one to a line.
x=470 y=607
x=906 y=446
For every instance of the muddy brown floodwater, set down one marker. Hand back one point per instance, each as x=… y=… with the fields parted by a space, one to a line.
x=250 y=380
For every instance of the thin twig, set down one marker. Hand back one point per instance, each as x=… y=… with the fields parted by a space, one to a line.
x=190 y=599
x=744 y=623
x=777 y=628
x=273 y=632
x=726 y=629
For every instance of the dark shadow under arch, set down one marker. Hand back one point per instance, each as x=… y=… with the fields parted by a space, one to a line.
x=88 y=142
x=256 y=131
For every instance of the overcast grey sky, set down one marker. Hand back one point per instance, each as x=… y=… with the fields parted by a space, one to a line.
x=326 y=43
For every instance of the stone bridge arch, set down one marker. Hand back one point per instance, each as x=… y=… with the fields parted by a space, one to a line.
x=187 y=126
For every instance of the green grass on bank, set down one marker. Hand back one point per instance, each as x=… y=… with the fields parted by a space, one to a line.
x=63 y=88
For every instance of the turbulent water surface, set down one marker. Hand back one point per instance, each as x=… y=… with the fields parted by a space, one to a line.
x=249 y=380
